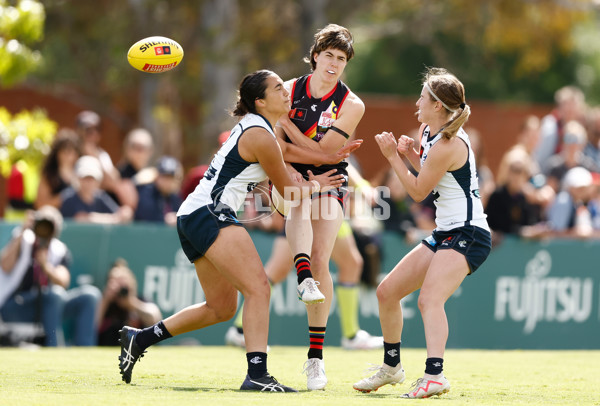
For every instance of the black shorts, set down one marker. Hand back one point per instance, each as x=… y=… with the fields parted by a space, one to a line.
x=199 y=229
x=340 y=194
x=474 y=243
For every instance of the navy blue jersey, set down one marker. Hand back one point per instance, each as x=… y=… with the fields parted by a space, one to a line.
x=229 y=177
x=457 y=199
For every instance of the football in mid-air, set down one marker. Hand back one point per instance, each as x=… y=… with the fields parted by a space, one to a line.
x=155 y=54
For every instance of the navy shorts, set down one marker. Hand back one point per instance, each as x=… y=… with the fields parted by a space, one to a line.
x=199 y=229
x=474 y=243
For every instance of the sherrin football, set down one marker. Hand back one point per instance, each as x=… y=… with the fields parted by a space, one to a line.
x=155 y=54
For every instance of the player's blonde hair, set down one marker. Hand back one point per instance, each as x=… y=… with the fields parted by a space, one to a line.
x=444 y=87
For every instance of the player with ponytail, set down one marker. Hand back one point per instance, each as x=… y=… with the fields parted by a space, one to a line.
x=459 y=244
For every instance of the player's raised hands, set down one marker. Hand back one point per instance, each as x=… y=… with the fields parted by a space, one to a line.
x=405 y=144
x=387 y=144
x=344 y=152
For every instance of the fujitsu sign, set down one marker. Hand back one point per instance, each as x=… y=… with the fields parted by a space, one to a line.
x=538 y=297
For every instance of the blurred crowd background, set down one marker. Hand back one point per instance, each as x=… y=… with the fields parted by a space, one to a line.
x=84 y=132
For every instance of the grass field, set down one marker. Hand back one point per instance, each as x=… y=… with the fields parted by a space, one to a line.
x=174 y=375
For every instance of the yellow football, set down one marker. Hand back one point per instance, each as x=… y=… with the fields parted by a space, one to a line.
x=155 y=54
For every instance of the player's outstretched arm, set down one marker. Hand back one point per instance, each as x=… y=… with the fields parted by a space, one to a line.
x=297 y=154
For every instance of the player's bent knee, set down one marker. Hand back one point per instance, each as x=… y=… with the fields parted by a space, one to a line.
x=427 y=301
x=383 y=293
x=229 y=313
x=258 y=291
x=224 y=312
x=359 y=262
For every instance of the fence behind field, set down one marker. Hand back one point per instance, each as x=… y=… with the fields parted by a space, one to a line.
x=529 y=295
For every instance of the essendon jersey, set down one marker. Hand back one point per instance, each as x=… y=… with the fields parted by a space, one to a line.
x=315 y=116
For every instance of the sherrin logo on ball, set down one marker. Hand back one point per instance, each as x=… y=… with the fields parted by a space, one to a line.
x=155 y=54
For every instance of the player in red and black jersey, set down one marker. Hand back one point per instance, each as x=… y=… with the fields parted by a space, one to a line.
x=314 y=117
x=324 y=113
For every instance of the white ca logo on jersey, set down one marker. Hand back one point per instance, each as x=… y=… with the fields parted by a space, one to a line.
x=462 y=244
x=313 y=107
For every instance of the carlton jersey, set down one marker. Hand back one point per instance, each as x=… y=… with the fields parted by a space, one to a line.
x=456 y=195
x=315 y=116
x=229 y=177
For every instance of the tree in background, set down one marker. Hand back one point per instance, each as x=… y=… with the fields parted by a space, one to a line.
x=20 y=26
x=25 y=137
x=25 y=140
x=587 y=50
x=86 y=43
x=504 y=49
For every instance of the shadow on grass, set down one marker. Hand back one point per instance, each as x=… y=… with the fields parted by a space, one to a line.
x=213 y=389
x=380 y=395
x=198 y=389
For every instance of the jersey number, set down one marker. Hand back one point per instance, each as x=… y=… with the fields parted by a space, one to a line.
x=210 y=173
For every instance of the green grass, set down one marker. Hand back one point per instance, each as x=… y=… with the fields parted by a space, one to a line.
x=173 y=375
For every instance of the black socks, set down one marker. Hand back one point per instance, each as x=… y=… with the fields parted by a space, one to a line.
x=391 y=355
x=317 y=337
x=434 y=366
x=152 y=335
x=302 y=264
x=257 y=364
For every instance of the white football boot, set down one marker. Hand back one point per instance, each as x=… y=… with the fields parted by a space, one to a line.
x=314 y=368
x=235 y=338
x=385 y=375
x=309 y=293
x=427 y=386
x=362 y=341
